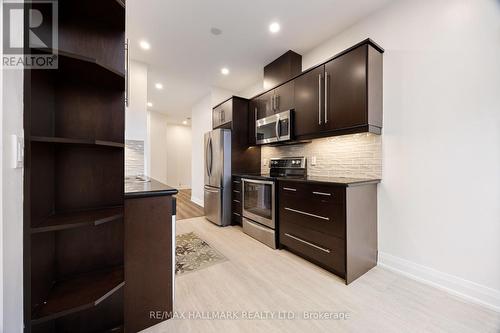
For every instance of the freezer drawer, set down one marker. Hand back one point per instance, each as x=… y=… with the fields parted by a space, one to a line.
x=217 y=205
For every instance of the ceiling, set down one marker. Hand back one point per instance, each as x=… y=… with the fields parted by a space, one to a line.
x=187 y=58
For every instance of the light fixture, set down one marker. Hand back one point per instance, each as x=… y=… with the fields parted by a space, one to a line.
x=159 y=86
x=274 y=27
x=185 y=122
x=224 y=71
x=150 y=104
x=144 y=45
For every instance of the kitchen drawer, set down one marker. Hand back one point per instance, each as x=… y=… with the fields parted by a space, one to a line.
x=312 y=193
x=236 y=184
x=322 y=218
x=322 y=249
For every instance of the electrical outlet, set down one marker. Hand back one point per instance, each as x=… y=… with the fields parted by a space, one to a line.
x=313 y=160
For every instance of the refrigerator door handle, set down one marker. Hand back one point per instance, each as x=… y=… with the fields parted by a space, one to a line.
x=211 y=156
x=206 y=157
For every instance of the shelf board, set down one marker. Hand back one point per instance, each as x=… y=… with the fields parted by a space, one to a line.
x=62 y=221
x=75 y=56
x=50 y=139
x=80 y=293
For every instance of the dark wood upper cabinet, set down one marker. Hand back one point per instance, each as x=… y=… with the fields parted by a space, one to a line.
x=222 y=114
x=284 y=97
x=308 y=117
x=341 y=96
x=274 y=101
x=345 y=90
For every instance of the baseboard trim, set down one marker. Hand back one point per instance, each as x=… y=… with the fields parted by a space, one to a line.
x=197 y=201
x=465 y=289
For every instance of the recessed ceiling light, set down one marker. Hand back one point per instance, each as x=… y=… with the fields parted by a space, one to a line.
x=215 y=31
x=150 y=104
x=144 y=45
x=224 y=71
x=185 y=122
x=159 y=86
x=274 y=27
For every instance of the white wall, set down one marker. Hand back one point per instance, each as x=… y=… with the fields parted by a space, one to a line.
x=179 y=156
x=439 y=211
x=136 y=123
x=12 y=202
x=201 y=122
x=158 y=146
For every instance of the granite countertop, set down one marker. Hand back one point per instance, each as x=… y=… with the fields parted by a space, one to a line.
x=140 y=187
x=343 y=181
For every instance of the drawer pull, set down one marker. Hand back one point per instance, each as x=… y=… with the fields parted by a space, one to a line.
x=290 y=189
x=308 y=243
x=236 y=182
x=236 y=214
x=237 y=201
x=308 y=214
x=323 y=193
x=236 y=191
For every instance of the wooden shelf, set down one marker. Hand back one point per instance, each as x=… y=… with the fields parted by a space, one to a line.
x=62 y=221
x=58 y=140
x=80 y=293
x=79 y=57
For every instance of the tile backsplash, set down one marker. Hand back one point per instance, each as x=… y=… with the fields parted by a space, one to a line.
x=134 y=158
x=355 y=155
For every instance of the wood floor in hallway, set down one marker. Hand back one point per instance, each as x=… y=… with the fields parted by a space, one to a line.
x=187 y=209
x=256 y=279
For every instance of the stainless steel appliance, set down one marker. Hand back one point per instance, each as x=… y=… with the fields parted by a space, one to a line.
x=259 y=198
x=274 y=128
x=217 y=190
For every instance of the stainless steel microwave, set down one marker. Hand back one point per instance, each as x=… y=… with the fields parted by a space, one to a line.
x=274 y=128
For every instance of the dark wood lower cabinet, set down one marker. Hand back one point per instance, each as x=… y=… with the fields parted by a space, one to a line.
x=331 y=225
x=236 y=201
x=149 y=263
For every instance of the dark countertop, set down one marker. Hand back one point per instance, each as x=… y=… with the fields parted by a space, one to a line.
x=341 y=181
x=137 y=188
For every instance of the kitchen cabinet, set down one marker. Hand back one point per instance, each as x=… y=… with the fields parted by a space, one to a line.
x=333 y=226
x=342 y=96
x=236 y=201
x=222 y=114
x=308 y=103
x=274 y=101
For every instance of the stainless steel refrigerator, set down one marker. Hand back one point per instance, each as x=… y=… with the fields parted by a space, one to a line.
x=217 y=196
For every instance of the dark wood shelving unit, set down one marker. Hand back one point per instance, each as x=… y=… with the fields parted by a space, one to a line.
x=80 y=293
x=74 y=120
x=62 y=221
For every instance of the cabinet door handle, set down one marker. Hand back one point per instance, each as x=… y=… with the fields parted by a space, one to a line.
x=237 y=201
x=236 y=191
x=319 y=99
x=277 y=102
x=290 y=189
x=236 y=214
x=307 y=214
x=326 y=97
x=323 y=193
x=222 y=115
x=308 y=243
x=236 y=182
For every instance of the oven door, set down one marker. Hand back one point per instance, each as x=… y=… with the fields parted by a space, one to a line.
x=259 y=201
x=273 y=128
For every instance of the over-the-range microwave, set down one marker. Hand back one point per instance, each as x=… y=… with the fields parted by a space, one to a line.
x=274 y=128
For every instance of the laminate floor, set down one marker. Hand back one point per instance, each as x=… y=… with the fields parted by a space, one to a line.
x=256 y=279
x=187 y=209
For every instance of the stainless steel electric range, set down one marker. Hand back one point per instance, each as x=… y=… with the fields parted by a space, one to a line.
x=260 y=199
